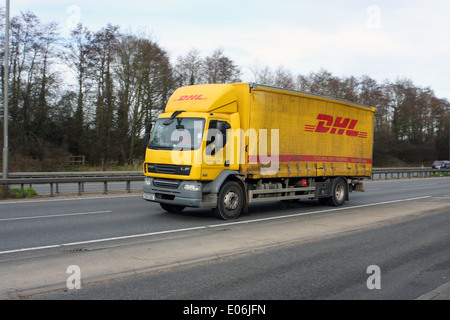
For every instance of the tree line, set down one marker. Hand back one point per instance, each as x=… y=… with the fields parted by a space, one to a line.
x=93 y=92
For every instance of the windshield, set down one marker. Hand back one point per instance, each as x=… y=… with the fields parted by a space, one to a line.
x=180 y=134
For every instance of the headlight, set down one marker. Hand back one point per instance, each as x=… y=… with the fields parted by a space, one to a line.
x=147 y=182
x=192 y=187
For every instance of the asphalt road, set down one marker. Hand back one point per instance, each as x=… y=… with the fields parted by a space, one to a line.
x=332 y=268
x=50 y=222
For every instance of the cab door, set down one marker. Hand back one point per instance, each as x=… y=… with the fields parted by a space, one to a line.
x=215 y=155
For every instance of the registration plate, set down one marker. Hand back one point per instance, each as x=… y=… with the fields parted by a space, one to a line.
x=148 y=196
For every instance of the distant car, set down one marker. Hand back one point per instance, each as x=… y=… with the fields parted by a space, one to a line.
x=441 y=164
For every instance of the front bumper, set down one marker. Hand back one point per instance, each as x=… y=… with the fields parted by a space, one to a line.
x=174 y=192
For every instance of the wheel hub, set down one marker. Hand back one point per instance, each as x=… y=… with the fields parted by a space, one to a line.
x=231 y=200
x=340 y=192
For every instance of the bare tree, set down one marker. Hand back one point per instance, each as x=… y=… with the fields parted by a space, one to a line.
x=33 y=81
x=104 y=44
x=262 y=74
x=284 y=78
x=188 y=69
x=76 y=55
x=280 y=78
x=217 y=68
x=144 y=77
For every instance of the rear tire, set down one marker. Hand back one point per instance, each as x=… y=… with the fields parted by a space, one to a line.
x=339 y=192
x=230 y=201
x=172 y=208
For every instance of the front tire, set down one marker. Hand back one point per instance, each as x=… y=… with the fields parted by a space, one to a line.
x=230 y=201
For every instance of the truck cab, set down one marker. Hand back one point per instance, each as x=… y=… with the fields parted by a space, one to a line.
x=188 y=154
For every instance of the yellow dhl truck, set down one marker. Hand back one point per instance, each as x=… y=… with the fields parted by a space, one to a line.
x=225 y=146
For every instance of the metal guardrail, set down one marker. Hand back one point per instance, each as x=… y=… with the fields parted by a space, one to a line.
x=407 y=173
x=80 y=178
x=72 y=174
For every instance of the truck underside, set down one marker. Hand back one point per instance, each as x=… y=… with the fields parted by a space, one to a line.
x=235 y=193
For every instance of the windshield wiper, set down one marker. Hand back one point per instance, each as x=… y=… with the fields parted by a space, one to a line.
x=169 y=121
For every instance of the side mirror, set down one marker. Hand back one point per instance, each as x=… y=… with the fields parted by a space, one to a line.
x=222 y=126
x=148 y=128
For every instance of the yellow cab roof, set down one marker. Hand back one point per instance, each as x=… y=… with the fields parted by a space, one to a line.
x=202 y=98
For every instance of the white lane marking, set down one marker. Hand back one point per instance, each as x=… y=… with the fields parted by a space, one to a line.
x=207 y=226
x=25 y=201
x=54 y=215
x=421 y=185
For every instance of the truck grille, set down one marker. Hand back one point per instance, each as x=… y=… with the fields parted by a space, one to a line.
x=169 y=169
x=165 y=168
x=170 y=184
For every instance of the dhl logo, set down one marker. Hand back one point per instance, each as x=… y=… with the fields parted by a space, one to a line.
x=191 y=98
x=339 y=126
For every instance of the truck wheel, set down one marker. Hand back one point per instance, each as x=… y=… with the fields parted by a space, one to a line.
x=230 y=201
x=172 y=208
x=338 y=193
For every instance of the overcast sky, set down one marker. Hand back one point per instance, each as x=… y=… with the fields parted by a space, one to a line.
x=382 y=39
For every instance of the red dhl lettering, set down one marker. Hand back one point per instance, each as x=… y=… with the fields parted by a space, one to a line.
x=339 y=126
x=191 y=98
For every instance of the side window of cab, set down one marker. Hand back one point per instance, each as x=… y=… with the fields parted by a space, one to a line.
x=217 y=136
